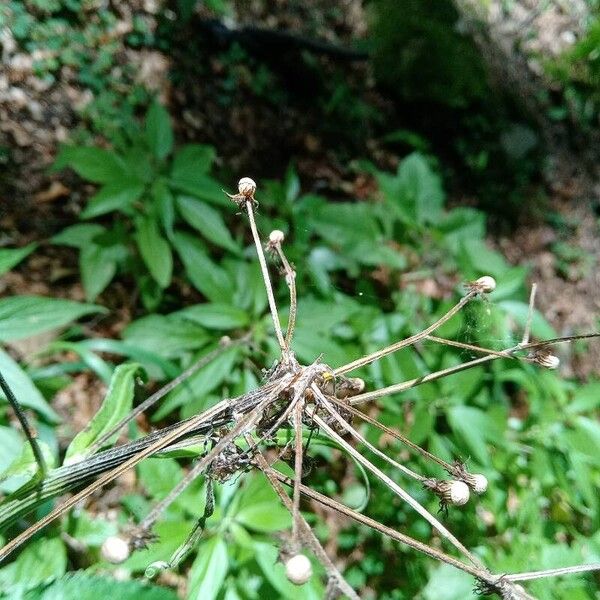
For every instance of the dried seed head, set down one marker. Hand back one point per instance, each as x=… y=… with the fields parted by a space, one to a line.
x=298 y=569
x=545 y=359
x=276 y=236
x=449 y=491
x=478 y=483
x=246 y=187
x=115 y=549
x=486 y=283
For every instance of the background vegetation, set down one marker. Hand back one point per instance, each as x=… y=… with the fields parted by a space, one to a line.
x=398 y=167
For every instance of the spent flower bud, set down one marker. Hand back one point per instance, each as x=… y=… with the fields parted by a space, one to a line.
x=115 y=549
x=246 y=187
x=298 y=569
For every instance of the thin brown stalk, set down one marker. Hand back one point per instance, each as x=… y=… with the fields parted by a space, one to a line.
x=306 y=530
x=290 y=278
x=443 y=531
x=163 y=391
x=266 y=278
x=391 y=432
x=413 y=339
x=360 y=438
x=527 y=331
x=298 y=460
x=480 y=573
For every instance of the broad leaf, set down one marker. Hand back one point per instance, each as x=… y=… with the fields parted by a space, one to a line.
x=116 y=404
x=204 y=274
x=93 y=164
x=78 y=236
x=24 y=316
x=209 y=570
x=215 y=316
x=98 y=268
x=23 y=389
x=9 y=257
x=155 y=251
x=25 y=466
x=167 y=336
x=158 y=130
x=207 y=221
x=191 y=160
x=114 y=196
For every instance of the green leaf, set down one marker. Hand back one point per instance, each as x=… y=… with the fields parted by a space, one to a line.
x=155 y=251
x=540 y=327
x=259 y=507
x=158 y=130
x=209 y=570
x=204 y=274
x=191 y=160
x=586 y=397
x=84 y=586
x=24 y=316
x=448 y=583
x=78 y=236
x=200 y=383
x=93 y=164
x=167 y=336
x=97 y=268
x=23 y=389
x=474 y=428
x=116 y=404
x=25 y=465
x=41 y=561
x=113 y=196
x=215 y=316
x=9 y=257
x=207 y=221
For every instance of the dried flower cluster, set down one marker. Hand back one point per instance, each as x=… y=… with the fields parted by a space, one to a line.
x=294 y=397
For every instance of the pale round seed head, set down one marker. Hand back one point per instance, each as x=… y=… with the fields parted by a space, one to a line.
x=246 y=187
x=549 y=361
x=276 y=236
x=298 y=569
x=458 y=493
x=115 y=549
x=486 y=283
x=358 y=384
x=479 y=483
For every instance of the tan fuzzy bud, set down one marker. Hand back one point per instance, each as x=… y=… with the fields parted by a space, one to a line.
x=478 y=483
x=486 y=283
x=276 y=236
x=115 y=549
x=298 y=569
x=246 y=187
x=449 y=491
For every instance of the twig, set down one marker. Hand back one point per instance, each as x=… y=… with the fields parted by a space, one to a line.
x=443 y=531
x=313 y=542
x=528 y=576
x=275 y=241
x=298 y=456
x=413 y=339
x=527 y=330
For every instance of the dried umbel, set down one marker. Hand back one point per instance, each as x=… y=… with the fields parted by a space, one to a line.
x=242 y=432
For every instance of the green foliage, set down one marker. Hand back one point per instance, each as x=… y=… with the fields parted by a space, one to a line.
x=147 y=191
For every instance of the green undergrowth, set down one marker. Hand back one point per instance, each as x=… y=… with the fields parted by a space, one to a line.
x=369 y=272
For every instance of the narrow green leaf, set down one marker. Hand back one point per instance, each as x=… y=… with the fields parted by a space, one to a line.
x=200 y=383
x=199 y=185
x=207 y=221
x=191 y=160
x=78 y=236
x=209 y=570
x=97 y=268
x=93 y=164
x=24 y=316
x=204 y=274
x=215 y=316
x=155 y=251
x=24 y=389
x=25 y=465
x=159 y=133
x=165 y=335
x=113 y=196
x=116 y=404
x=9 y=257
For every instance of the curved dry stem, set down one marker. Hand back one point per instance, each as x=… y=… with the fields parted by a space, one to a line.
x=307 y=532
x=290 y=278
x=266 y=278
x=409 y=341
x=416 y=506
x=530 y=575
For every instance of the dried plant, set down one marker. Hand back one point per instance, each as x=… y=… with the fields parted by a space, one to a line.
x=240 y=433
